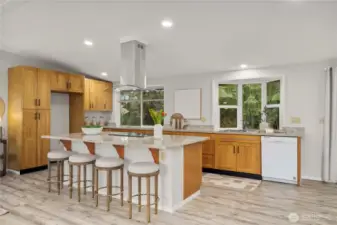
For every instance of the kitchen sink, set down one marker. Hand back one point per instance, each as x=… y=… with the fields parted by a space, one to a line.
x=235 y=131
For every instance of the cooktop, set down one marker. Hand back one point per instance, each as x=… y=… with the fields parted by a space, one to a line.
x=128 y=134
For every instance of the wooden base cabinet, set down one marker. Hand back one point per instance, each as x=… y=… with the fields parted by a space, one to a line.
x=28 y=117
x=225 y=156
x=248 y=158
x=34 y=151
x=238 y=157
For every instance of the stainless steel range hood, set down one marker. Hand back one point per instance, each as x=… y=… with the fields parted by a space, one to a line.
x=132 y=74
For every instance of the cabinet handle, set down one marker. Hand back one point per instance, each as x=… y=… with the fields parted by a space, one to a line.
x=68 y=84
x=104 y=105
x=35 y=116
x=238 y=150
x=39 y=102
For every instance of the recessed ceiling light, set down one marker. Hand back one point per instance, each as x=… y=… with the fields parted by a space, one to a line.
x=243 y=66
x=88 y=43
x=167 y=23
x=104 y=74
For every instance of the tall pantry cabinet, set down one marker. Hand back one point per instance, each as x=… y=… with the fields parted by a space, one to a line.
x=28 y=117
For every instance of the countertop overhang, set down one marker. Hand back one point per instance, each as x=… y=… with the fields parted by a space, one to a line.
x=208 y=130
x=168 y=141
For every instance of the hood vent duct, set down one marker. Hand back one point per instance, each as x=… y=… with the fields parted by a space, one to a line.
x=133 y=60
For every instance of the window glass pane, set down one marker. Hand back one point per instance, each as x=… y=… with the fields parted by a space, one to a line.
x=157 y=105
x=273 y=92
x=228 y=94
x=228 y=118
x=273 y=117
x=153 y=94
x=251 y=105
x=130 y=113
x=129 y=95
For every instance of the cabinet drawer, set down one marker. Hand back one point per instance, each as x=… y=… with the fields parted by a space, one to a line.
x=207 y=161
x=237 y=138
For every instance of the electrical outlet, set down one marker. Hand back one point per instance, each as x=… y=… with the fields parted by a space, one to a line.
x=295 y=120
x=162 y=156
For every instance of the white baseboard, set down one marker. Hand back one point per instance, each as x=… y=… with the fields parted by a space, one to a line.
x=312 y=178
x=13 y=171
x=193 y=196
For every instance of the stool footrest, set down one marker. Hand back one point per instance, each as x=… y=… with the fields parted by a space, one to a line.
x=136 y=195
x=114 y=194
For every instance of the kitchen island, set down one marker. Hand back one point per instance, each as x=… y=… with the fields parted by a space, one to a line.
x=179 y=159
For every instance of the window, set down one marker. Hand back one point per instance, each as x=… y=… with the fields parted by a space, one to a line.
x=135 y=106
x=247 y=104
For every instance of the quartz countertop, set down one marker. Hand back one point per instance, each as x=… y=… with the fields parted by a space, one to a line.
x=207 y=129
x=168 y=141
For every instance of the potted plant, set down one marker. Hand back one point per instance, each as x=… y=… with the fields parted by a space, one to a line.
x=158 y=118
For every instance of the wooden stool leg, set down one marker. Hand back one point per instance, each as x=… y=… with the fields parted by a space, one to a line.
x=58 y=177
x=49 y=176
x=96 y=185
x=110 y=185
x=70 y=181
x=156 y=194
x=108 y=177
x=62 y=174
x=139 y=194
x=148 y=204
x=92 y=181
x=85 y=179
x=130 y=197
x=79 y=183
x=122 y=185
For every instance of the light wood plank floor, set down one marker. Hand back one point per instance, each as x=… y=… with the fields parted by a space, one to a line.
x=27 y=199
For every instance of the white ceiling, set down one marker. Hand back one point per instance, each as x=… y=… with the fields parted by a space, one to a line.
x=206 y=38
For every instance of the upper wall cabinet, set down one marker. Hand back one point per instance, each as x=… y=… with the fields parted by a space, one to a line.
x=97 y=95
x=63 y=82
x=36 y=87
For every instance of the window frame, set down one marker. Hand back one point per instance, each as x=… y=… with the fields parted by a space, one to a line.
x=239 y=105
x=140 y=100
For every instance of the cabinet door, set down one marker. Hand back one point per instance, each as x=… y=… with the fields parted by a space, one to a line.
x=59 y=82
x=207 y=161
x=87 y=101
x=96 y=95
x=43 y=89
x=249 y=158
x=225 y=156
x=107 y=94
x=208 y=147
x=76 y=83
x=28 y=155
x=43 y=128
x=29 y=79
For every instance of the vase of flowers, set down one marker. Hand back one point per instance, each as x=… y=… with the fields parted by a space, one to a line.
x=158 y=119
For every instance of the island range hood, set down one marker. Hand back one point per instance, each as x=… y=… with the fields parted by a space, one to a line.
x=133 y=60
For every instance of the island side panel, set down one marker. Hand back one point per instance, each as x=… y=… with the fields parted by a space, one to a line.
x=192 y=169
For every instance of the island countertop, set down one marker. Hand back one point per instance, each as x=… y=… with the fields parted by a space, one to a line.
x=168 y=141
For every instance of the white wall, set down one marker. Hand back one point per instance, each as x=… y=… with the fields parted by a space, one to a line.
x=59 y=117
x=304 y=98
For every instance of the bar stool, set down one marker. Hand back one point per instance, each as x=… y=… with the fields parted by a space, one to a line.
x=143 y=170
x=59 y=157
x=109 y=164
x=80 y=160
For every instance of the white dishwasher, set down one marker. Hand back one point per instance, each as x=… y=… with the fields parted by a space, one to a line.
x=279 y=159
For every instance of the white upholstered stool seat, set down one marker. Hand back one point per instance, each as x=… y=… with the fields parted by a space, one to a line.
x=82 y=158
x=143 y=167
x=109 y=162
x=55 y=155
